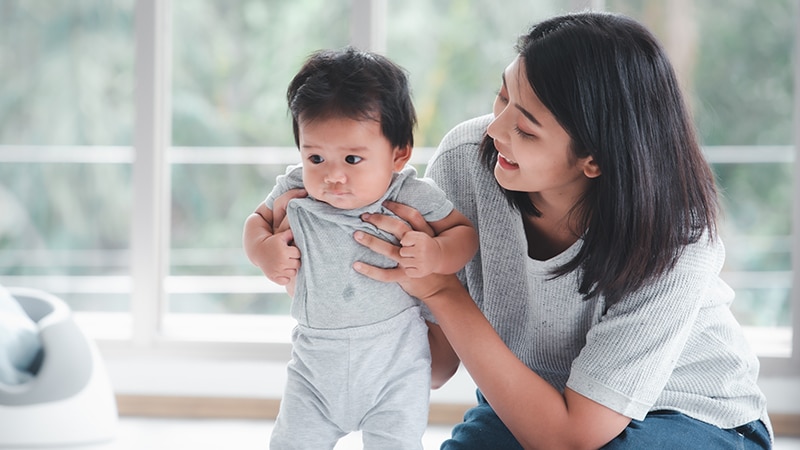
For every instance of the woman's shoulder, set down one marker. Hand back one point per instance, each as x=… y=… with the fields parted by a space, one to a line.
x=469 y=132
x=465 y=136
x=457 y=156
x=707 y=253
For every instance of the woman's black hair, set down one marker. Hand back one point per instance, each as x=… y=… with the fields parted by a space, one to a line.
x=355 y=84
x=610 y=85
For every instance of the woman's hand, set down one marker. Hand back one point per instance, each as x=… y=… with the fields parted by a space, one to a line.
x=421 y=288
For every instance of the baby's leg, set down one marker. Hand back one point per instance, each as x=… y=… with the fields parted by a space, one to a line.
x=305 y=420
x=399 y=414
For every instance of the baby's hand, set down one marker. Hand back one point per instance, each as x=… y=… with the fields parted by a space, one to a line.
x=283 y=259
x=420 y=254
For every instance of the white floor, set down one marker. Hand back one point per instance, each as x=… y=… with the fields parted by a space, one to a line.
x=167 y=434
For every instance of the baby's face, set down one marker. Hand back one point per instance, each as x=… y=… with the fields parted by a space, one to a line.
x=346 y=163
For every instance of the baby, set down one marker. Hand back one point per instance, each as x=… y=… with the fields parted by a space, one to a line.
x=360 y=358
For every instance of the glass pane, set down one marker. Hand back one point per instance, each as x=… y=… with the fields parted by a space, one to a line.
x=67 y=94
x=232 y=64
x=758 y=240
x=455 y=52
x=209 y=205
x=740 y=90
x=67 y=72
x=71 y=238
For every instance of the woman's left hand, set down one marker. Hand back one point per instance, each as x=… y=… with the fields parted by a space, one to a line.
x=418 y=287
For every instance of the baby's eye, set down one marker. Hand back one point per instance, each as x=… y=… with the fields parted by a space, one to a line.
x=316 y=159
x=353 y=159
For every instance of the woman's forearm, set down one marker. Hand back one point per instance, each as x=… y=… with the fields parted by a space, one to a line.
x=444 y=361
x=537 y=414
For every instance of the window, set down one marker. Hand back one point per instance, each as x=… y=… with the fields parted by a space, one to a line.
x=66 y=129
x=137 y=135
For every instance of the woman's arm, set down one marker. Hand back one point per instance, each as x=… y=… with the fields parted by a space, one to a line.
x=537 y=414
x=444 y=361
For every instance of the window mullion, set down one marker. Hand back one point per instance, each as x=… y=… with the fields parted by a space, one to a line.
x=150 y=218
x=368 y=25
x=795 y=299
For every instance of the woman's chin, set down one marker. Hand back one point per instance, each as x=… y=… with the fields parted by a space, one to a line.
x=503 y=178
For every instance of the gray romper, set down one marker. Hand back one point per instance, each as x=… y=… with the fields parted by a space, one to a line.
x=360 y=356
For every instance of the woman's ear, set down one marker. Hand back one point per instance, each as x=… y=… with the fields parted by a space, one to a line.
x=401 y=157
x=590 y=167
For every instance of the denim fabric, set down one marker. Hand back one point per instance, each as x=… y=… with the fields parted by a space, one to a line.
x=671 y=429
x=481 y=429
x=663 y=430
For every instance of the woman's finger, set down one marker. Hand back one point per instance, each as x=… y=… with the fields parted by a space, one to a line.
x=410 y=215
x=378 y=245
x=392 y=275
x=279 y=207
x=390 y=224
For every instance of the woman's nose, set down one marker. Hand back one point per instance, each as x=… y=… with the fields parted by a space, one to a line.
x=497 y=129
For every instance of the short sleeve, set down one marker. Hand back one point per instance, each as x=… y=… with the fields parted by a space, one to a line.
x=630 y=354
x=291 y=179
x=425 y=196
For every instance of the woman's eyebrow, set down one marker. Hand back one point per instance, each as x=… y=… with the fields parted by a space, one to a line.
x=524 y=111
x=527 y=114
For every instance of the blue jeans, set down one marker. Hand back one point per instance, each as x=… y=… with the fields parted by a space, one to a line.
x=663 y=430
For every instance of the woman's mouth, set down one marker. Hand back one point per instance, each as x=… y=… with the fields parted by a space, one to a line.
x=506 y=163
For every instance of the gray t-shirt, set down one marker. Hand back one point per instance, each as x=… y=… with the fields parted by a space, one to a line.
x=329 y=294
x=673 y=344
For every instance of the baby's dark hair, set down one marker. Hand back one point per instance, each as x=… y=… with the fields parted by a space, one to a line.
x=354 y=84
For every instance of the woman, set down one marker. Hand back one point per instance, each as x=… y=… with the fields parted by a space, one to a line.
x=593 y=314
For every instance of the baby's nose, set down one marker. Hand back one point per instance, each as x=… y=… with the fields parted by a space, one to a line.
x=335 y=176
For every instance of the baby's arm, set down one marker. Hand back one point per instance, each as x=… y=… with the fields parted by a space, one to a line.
x=273 y=253
x=455 y=243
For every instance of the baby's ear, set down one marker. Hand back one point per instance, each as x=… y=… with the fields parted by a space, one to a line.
x=401 y=157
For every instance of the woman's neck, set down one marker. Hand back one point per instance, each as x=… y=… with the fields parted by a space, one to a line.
x=546 y=242
x=552 y=232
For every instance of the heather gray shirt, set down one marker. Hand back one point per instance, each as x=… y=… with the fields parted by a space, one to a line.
x=329 y=294
x=673 y=344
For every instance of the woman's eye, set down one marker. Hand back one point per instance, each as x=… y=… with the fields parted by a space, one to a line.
x=315 y=159
x=352 y=159
x=523 y=134
x=501 y=96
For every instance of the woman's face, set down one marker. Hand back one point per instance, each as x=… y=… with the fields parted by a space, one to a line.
x=534 y=149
